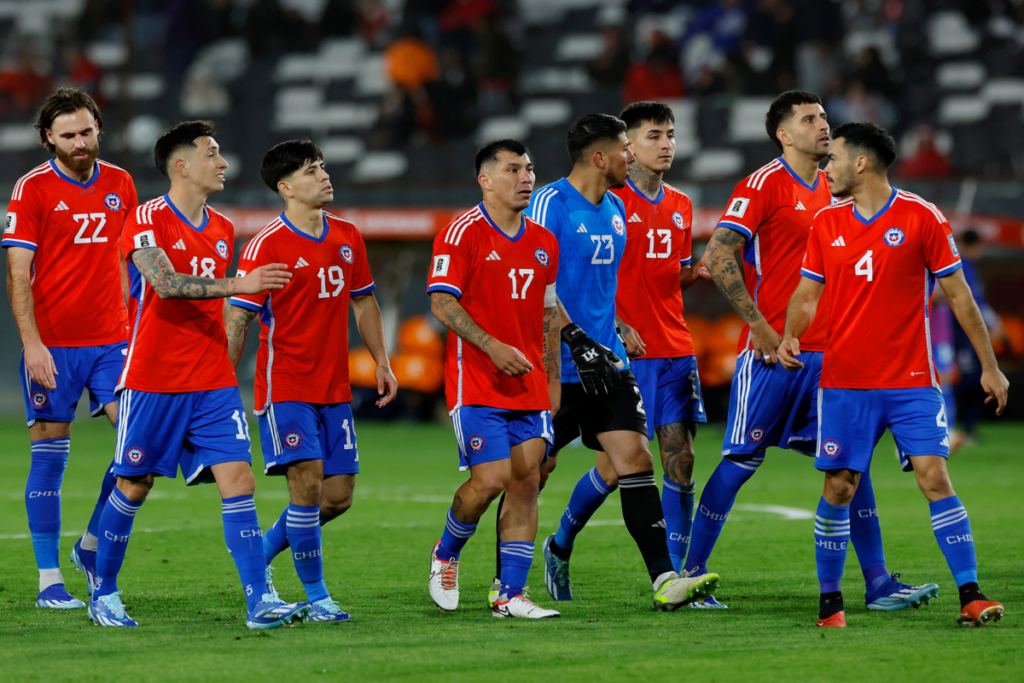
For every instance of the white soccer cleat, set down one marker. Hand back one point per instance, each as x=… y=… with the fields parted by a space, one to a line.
x=444 y=581
x=674 y=591
x=522 y=607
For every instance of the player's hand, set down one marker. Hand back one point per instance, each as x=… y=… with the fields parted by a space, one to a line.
x=387 y=385
x=40 y=366
x=598 y=367
x=996 y=385
x=765 y=341
x=270 y=276
x=789 y=349
x=630 y=338
x=702 y=270
x=508 y=359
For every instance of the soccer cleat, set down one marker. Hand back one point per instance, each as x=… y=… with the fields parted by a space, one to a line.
x=326 y=610
x=57 y=597
x=494 y=593
x=677 y=591
x=556 y=573
x=109 y=611
x=708 y=603
x=85 y=562
x=980 y=612
x=444 y=581
x=268 y=575
x=273 y=612
x=521 y=606
x=837 y=620
x=896 y=595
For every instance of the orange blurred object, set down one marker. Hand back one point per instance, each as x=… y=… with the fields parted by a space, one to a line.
x=1013 y=326
x=361 y=367
x=418 y=372
x=419 y=336
x=410 y=63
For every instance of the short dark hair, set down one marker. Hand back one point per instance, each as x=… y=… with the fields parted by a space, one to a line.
x=781 y=110
x=871 y=138
x=491 y=150
x=179 y=136
x=65 y=101
x=970 y=237
x=590 y=129
x=639 y=113
x=286 y=158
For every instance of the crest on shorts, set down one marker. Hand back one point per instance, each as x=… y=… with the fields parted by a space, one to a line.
x=617 y=225
x=757 y=434
x=40 y=399
x=476 y=443
x=113 y=201
x=894 y=237
x=542 y=257
x=222 y=248
x=830 y=448
x=292 y=440
x=346 y=253
x=135 y=455
x=677 y=218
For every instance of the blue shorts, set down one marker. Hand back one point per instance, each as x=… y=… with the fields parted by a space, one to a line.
x=196 y=430
x=96 y=368
x=488 y=434
x=292 y=431
x=670 y=389
x=771 y=406
x=852 y=421
x=949 y=398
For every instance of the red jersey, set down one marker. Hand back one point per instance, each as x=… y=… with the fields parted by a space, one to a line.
x=773 y=208
x=878 y=275
x=303 y=352
x=76 y=273
x=503 y=283
x=658 y=242
x=177 y=345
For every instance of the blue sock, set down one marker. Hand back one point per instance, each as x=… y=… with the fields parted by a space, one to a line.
x=952 y=530
x=716 y=501
x=831 y=538
x=516 y=558
x=455 y=536
x=304 y=536
x=115 y=530
x=866 y=535
x=106 y=486
x=276 y=539
x=244 y=540
x=677 y=505
x=42 y=498
x=590 y=492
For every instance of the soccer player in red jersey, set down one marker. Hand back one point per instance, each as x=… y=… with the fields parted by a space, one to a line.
x=180 y=405
x=877 y=254
x=492 y=284
x=64 y=283
x=754 y=258
x=303 y=396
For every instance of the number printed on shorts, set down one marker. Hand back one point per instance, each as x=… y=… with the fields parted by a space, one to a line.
x=84 y=219
x=243 y=426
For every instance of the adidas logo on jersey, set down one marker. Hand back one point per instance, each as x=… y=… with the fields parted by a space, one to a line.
x=839 y=242
x=581 y=228
x=634 y=219
x=62 y=207
x=301 y=262
x=800 y=206
x=493 y=256
x=180 y=244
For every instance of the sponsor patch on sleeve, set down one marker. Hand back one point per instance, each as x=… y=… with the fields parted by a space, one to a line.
x=145 y=240
x=952 y=244
x=441 y=263
x=737 y=207
x=10 y=223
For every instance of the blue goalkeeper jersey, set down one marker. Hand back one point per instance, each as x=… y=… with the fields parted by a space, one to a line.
x=590 y=244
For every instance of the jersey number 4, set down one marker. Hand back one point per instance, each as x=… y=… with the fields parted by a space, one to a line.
x=83 y=219
x=527 y=275
x=865 y=267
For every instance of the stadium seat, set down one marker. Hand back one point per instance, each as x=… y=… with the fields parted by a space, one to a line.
x=949 y=33
x=964 y=75
x=342 y=150
x=687 y=141
x=579 y=47
x=1004 y=91
x=380 y=166
x=746 y=118
x=556 y=80
x=18 y=137
x=418 y=373
x=956 y=109
x=140 y=87
x=716 y=163
x=500 y=127
x=546 y=112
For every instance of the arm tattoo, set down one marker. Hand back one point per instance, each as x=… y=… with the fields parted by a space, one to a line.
x=552 y=355
x=454 y=317
x=722 y=259
x=154 y=265
x=237 y=327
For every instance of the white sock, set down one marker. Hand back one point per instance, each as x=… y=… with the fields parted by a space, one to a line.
x=49 y=577
x=90 y=542
x=662 y=578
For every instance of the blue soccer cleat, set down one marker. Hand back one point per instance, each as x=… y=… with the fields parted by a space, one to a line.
x=896 y=595
x=556 y=573
x=109 y=611
x=57 y=597
x=274 y=612
x=85 y=562
x=327 y=610
x=708 y=603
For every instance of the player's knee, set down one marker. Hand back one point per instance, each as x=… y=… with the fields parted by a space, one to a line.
x=839 y=489
x=135 y=489
x=330 y=509
x=527 y=486
x=934 y=483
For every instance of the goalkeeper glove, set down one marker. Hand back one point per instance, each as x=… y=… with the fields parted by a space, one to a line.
x=598 y=367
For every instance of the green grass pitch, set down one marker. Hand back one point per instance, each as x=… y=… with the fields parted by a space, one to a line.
x=181 y=585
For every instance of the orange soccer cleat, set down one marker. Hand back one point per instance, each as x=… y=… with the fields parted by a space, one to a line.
x=837 y=620
x=979 y=612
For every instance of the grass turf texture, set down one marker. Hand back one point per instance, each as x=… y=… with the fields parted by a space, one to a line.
x=181 y=585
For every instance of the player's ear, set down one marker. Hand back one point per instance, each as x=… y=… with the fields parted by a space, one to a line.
x=598 y=158
x=180 y=166
x=484 y=180
x=284 y=189
x=49 y=137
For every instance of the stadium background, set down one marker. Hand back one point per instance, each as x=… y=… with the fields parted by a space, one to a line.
x=399 y=96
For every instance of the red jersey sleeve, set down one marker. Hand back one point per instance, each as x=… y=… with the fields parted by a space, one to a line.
x=449 y=267
x=21 y=229
x=686 y=251
x=747 y=207
x=246 y=264
x=940 y=252
x=362 y=279
x=813 y=267
x=139 y=232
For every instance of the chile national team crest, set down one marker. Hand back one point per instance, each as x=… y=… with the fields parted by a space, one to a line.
x=617 y=225
x=135 y=455
x=292 y=440
x=830 y=448
x=894 y=237
x=757 y=434
x=346 y=253
x=476 y=443
x=222 y=248
x=677 y=218
x=113 y=201
x=542 y=257
x=40 y=399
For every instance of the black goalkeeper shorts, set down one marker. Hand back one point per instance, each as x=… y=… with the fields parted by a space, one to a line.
x=590 y=415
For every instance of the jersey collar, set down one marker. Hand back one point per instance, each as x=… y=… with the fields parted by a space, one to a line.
x=522 y=224
x=95 y=174
x=869 y=221
x=800 y=180
x=181 y=216
x=323 y=235
x=661 y=192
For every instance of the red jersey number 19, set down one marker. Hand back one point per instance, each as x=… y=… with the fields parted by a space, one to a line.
x=335 y=276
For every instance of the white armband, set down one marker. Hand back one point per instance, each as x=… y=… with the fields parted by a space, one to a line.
x=550 y=299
